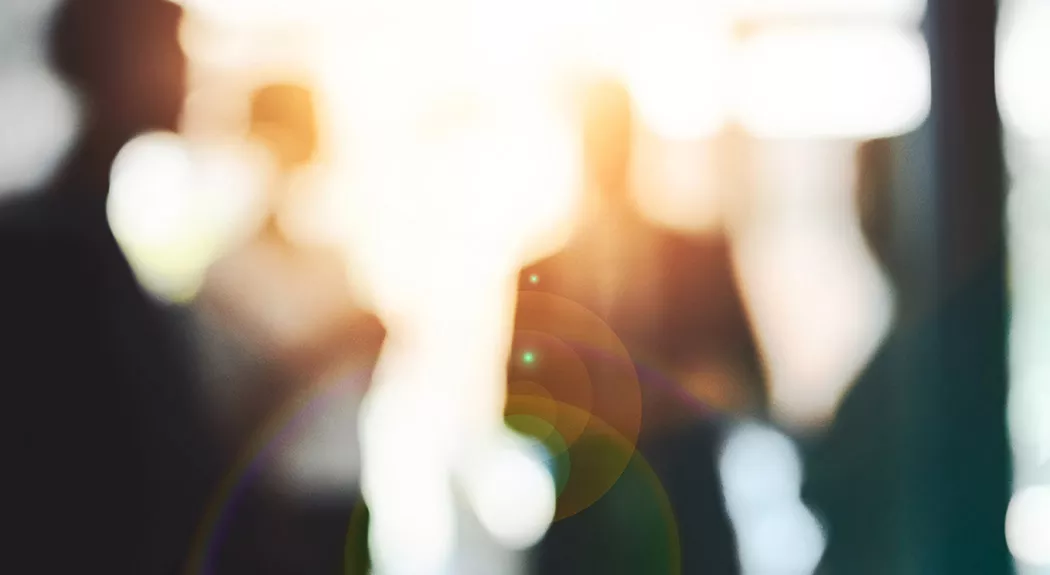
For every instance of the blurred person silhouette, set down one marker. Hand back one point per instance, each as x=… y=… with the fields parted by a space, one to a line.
x=913 y=475
x=280 y=324
x=852 y=475
x=107 y=457
x=673 y=301
x=859 y=471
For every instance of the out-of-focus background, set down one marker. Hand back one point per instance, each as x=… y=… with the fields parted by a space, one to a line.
x=787 y=254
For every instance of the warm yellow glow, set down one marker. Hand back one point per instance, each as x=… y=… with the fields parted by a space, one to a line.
x=678 y=67
x=834 y=82
x=1024 y=85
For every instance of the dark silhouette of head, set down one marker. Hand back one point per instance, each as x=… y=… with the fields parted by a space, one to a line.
x=607 y=136
x=283 y=116
x=124 y=59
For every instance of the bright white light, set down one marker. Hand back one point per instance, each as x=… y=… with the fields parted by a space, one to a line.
x=786 y=540
x=457 y=158
x=905 y=11
x=1029 y=405
x=256 y=13
x=1029 y=241
x=513 y=494
x=405 y=477
x=150 y=212
x=173 y=210
x=38 y=116
x=414 y=534
x=834 y=82
x=477 y=203
x=1024 y=85
x=678 y=67
x=1028 y=526
x=435 y=155
x=602 y=34
x=761 y=473
x=759 y=467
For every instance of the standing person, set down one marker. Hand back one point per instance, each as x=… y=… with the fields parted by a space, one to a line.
x=279 y=323
x=674 y=304
x=108 y=461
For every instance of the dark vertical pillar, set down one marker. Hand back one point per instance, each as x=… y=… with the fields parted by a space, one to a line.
x=959 y=470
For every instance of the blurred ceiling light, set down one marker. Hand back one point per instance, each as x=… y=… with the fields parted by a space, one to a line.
x=1024 y=85
x=39 y=117
x=172 y=210
x=834 y=82
x=1028 y=526
x=905 y=11
x=678 y=67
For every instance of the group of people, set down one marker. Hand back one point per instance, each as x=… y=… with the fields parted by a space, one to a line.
x=116 y=441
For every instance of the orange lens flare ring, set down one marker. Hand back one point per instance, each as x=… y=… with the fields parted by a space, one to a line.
x=581 y=385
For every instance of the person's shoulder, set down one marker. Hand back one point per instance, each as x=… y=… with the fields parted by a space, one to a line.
x=24 y=213
x=29 y=232
x=40 y=250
